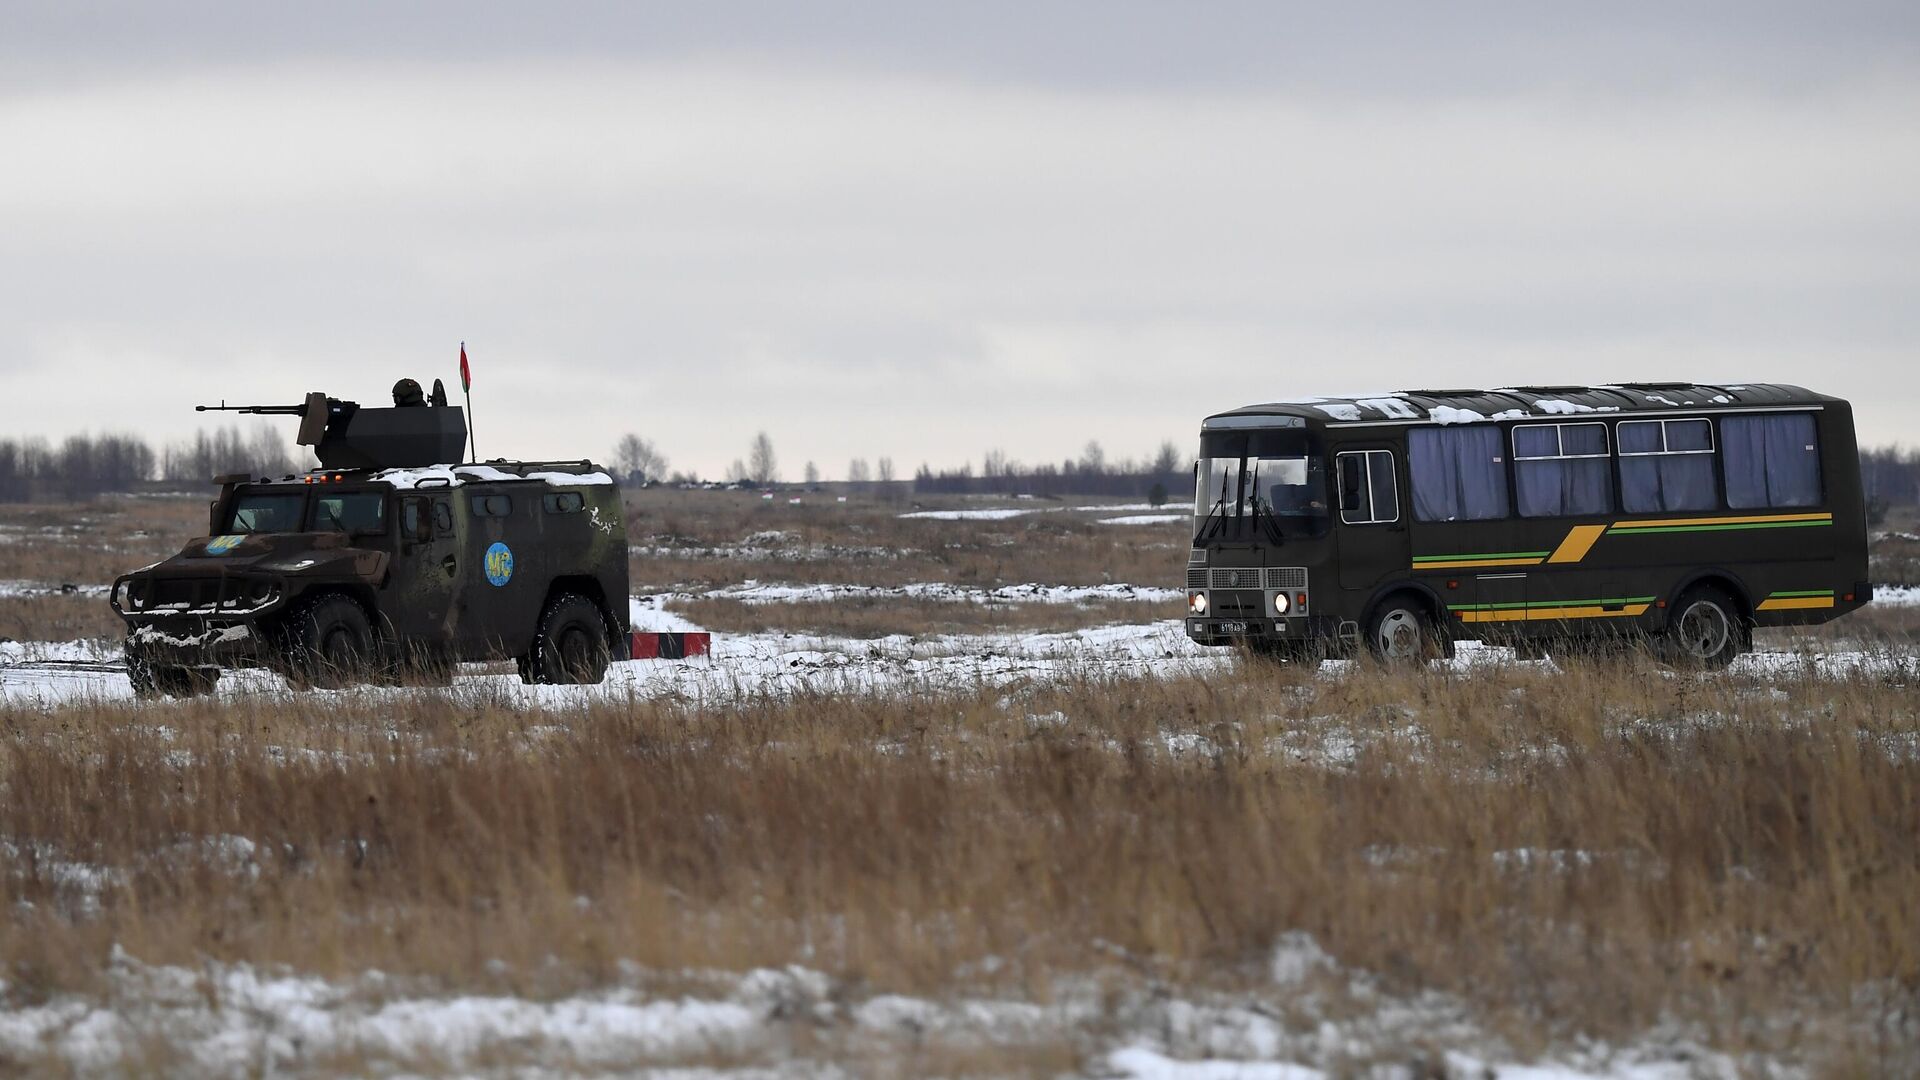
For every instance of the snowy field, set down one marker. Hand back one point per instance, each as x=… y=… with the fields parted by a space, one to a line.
x=1308 y=1019
x=774 y=662
x=1287 y=1009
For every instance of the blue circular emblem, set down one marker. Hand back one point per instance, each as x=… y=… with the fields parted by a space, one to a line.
x=499 y=563
x=220 y=545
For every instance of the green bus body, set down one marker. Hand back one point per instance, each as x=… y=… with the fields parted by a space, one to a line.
x=1518 y=514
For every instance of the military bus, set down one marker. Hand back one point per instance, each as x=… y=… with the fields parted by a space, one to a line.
x=1681 y=513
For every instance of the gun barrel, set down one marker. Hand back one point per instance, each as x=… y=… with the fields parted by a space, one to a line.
x=255 y=410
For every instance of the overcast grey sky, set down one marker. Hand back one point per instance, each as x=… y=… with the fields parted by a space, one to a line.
x=928 y=230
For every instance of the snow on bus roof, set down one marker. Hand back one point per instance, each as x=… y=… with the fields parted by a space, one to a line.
x=1522 y=402
x=456 y=475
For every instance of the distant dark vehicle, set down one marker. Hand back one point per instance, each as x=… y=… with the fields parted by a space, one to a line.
x=385 y=565
x=1683 y=513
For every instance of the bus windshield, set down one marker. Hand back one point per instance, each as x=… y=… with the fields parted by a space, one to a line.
x=1260 y=496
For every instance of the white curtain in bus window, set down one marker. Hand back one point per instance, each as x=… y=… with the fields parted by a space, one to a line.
x=1666 y=465
x=1771 y=460
x=1457 y=473
x=1562 y=469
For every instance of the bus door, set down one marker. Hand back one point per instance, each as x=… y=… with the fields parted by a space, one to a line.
x=1372 y=530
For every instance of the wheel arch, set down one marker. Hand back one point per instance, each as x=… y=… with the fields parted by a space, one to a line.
x=1420 y=591
x=588 y=587
x=1714 y=577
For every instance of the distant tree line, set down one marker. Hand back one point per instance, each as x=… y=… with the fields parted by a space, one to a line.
x=1162 y=477
x=83 y=466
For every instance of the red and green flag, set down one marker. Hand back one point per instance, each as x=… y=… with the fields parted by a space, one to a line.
x=466 y=375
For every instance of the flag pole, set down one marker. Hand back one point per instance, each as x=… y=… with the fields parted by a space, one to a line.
x=466 y=390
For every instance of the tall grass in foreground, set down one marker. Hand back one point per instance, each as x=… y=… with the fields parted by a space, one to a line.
x=1591 y=850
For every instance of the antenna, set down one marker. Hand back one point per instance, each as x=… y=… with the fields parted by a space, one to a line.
x=466 y=388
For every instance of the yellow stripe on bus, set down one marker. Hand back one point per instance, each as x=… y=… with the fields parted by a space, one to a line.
x=1667 y=523
x=1465 y=564
x=1551 y=613
x=1790 y=603
x=1579 y=541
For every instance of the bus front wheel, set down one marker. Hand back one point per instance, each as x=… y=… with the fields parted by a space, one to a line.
x=1400 y=631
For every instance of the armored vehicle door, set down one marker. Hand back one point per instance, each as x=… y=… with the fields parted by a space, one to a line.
x=427 y=570
x=505 y=587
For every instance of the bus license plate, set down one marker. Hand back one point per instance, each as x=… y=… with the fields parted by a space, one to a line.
x=1233 y=628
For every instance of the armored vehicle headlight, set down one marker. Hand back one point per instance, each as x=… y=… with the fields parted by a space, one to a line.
x=1280 y=603
x=1198 y=603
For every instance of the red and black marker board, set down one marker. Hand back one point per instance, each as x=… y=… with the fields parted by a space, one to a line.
x=670 y=646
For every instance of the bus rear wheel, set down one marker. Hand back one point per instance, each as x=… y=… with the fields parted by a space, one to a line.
x=1401 y=632
x=1705 y=631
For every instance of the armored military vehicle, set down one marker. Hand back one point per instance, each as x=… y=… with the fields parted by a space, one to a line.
x=393 y=560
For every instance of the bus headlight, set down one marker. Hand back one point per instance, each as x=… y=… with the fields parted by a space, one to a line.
x=1197 y=603
x=1280 y=603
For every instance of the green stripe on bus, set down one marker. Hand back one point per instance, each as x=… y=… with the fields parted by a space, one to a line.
x=1801 y=592
x=1626 y=528
x=1553 y=603
x=1490 y=555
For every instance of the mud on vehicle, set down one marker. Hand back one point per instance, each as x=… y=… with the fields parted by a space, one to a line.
x=383 y=574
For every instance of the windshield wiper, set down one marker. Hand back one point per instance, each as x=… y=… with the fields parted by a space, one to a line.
x=1218 y=504
x=1261 y=511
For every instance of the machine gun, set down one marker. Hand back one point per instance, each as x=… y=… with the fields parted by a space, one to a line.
x=345 y=435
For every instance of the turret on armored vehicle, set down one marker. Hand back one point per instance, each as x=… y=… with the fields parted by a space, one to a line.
x=393 y=558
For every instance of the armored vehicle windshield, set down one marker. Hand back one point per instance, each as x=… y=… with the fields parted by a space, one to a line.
x=292 y=511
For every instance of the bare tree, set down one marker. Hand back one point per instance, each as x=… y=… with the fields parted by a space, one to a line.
x=636 y=460
x=858 y=472
x=762 y=466
x=737 y=472
x=813 y=475
x=1093 y=459
x=886 y=470
x=1166 y=460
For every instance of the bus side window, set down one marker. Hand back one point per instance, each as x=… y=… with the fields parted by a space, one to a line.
x=1771 y=460
x=1368 y=491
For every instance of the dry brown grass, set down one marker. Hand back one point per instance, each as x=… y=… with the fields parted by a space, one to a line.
x=693 y=538
x=1705 y=850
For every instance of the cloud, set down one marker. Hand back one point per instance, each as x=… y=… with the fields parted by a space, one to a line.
x=922 y=266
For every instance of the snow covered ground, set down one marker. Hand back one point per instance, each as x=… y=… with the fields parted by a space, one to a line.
x=744 y=665
x=1310 y=1017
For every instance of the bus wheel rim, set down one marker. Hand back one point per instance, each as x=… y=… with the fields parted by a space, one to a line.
x=1399 y=634
x=1704 y=630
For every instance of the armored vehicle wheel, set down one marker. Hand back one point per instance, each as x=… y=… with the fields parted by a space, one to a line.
x=1704 y=632
x=1400 y=632
x=331 y=644
x=571 y=645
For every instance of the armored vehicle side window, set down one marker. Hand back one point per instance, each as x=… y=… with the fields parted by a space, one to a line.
x=442 y=517
x=413 y=518
x=563 y=502
x=266 y=512
x=349 y=512
x=492 y=505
